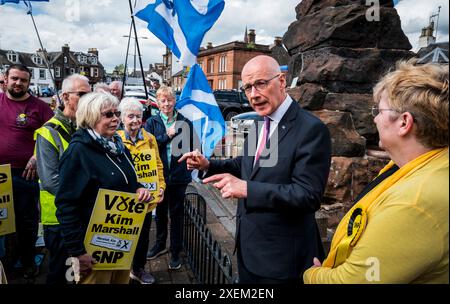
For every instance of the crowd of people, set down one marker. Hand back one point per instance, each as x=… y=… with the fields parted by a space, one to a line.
x=396 y=231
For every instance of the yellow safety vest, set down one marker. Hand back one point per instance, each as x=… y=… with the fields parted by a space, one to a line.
x=47 y=200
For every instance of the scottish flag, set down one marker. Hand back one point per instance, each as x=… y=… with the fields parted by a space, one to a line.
x=181 y=24
x=197 y=103
x=17 y=1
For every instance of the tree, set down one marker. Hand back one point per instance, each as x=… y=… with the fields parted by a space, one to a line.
x=120 y=69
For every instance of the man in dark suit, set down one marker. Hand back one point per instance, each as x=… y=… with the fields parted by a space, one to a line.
x=279 y=181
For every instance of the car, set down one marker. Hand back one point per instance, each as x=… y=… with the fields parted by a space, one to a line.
x=243 y=122
x=47 y=92
x=140 y=95
x=232 y=102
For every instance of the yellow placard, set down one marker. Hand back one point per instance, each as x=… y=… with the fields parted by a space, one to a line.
x=146 y=167
x=114 y=229
x=7 y=217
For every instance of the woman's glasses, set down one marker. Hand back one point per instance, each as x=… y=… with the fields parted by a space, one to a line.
x=110 y=114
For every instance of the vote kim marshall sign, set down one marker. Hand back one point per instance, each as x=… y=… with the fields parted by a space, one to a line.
x=7 y=218
x=114 y=229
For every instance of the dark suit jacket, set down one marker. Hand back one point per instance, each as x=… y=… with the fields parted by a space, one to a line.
x=276 y=230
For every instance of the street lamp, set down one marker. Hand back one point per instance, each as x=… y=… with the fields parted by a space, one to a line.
x=135 y=46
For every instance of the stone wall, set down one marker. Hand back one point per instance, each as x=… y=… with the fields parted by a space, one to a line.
x=338 y=57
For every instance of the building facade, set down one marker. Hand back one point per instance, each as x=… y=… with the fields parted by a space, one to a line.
x=40 y=76
x=67 y=62
x=223 y=64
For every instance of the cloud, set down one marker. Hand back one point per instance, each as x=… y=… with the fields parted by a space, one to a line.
x=102 y=24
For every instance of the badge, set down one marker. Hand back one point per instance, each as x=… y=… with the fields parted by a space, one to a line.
x=21 y=119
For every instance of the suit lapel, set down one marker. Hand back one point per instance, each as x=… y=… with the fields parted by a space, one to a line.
x=282 y=130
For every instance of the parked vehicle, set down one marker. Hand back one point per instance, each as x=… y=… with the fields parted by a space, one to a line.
x=242 y=123
x=232 y=102
x=149 y=109
x=47 y=92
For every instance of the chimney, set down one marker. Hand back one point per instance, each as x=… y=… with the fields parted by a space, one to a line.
x=93 y=51
x=65 y=48
x=278 y=41
x=427 y=38
x=251 y=36
x=209 y=46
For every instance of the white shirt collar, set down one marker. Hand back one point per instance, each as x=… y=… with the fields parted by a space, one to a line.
x=282 y=109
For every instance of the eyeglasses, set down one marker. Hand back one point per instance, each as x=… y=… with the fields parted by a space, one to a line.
x=259 y=85
x=376 y=110
x=78 y=93
x=110 y=114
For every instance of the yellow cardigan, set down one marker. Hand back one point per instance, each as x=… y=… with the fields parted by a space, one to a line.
x=149 y=141
x=406 y=239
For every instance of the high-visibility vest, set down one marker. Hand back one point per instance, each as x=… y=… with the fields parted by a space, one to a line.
x=47 y=200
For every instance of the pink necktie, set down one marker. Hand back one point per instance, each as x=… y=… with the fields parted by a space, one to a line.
x=264 y=139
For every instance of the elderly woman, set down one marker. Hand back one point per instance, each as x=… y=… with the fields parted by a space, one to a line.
x=397 y=232
x=138 y=141
x=174 y=134
x=96 y=158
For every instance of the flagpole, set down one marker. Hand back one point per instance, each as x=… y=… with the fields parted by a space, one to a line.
x=126 y=63
x=44 y=52
x=138 y=48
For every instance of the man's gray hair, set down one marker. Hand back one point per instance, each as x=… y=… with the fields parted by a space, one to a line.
x=128 y=104
x=90 y=108
x=101 y=87
x=116 y=82
x=68 y=83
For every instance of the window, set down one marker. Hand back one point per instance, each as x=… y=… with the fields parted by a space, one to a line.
x=58 y=72
x=72 y=71
x=223 y=64
x=65 y=59
x=222 y=84
x=95 y=72
x=93 y=60
x=41 y=74
x=37 y=60
x=31 y=73
x=211 y=65
x=13 y=57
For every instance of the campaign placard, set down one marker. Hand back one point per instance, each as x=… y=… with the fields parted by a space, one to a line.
x=146 y=169
x=7 y=217
x=114 y=229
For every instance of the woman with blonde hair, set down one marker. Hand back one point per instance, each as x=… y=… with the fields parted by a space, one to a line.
x=96 y=158
x=397 y=231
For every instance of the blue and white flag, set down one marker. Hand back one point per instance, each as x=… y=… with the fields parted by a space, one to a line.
x=197 y=103
x=396 y=2
x=17 y=1
x=181 y=24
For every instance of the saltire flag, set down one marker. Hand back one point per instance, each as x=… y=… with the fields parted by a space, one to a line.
x=181 y=24
x=396 y=2
x=17 y=1
x=197 y=103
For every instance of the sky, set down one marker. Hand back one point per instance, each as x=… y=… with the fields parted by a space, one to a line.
x=101 y=24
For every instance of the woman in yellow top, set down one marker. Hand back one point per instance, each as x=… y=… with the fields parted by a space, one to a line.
x=397 y=232
x=143 y=147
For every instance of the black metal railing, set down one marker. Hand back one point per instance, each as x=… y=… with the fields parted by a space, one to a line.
x=204 y=254
x=199 y=203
